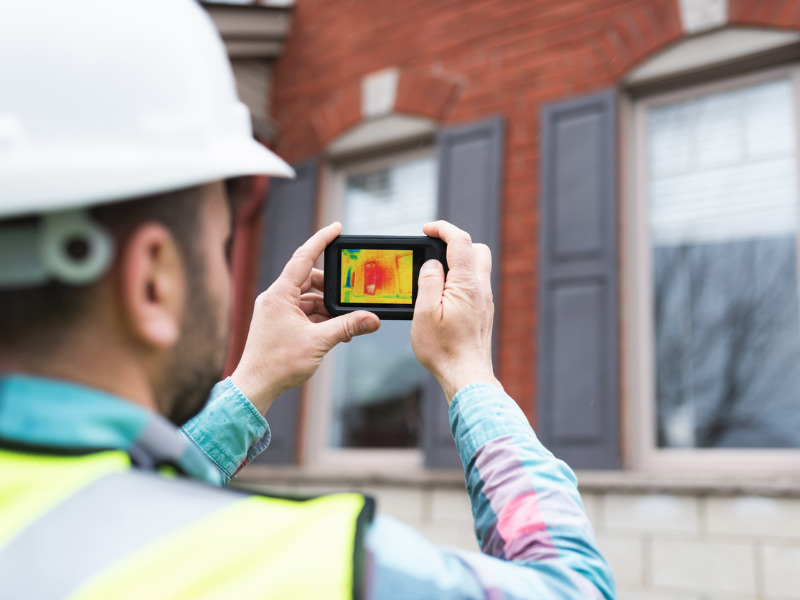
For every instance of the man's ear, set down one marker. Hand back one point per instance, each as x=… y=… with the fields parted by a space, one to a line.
x=152 y=286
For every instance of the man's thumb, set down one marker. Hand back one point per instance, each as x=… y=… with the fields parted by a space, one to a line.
x=346 y=327
x=431 y=285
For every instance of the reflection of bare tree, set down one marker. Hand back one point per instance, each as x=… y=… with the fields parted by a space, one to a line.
x=727 y=343
x=377 y=390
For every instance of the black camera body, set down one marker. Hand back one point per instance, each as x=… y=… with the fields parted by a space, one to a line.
x=377 y=273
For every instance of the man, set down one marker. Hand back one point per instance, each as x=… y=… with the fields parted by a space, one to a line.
x=122 y=150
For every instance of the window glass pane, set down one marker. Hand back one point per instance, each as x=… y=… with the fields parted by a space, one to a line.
x=723 y=209
x=378 y=381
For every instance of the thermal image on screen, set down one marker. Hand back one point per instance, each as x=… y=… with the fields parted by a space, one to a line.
x=377 y=276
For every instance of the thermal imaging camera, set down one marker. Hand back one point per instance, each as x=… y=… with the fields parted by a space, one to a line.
x=377 y=273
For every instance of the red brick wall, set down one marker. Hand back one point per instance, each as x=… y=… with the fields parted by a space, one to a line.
x=472 y=59
x=771 y=13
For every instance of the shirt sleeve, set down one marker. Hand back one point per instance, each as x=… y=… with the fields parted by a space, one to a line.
x=534 y=536
x=229 y=430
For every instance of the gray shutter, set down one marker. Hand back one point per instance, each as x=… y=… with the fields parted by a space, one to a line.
x=470 y=194
x=288 y=222
x=578 y=405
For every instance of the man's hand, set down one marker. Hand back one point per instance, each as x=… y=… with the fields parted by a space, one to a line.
x=291 y=330
x=452 y=328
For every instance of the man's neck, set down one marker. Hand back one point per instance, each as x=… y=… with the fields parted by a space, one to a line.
x=87 y=362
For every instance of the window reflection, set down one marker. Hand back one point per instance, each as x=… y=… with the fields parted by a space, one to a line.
x=378 y=381
x=723 y=198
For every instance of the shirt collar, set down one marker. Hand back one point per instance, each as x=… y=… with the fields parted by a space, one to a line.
x=58 y=415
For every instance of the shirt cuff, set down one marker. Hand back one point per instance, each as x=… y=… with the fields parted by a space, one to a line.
x=229 y=430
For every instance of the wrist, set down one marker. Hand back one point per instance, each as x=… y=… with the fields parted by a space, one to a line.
x=259 y=396
x=453 y=381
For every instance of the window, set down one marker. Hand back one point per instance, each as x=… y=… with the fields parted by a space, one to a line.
x=332 y=421
x=372 y=387
x=716 y=270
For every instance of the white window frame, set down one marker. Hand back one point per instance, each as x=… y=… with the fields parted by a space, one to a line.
x=638 y=334
x=375 y=462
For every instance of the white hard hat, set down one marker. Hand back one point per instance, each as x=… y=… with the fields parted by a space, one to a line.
x=104 y=100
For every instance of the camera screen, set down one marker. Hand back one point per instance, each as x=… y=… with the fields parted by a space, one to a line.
x=370 y=276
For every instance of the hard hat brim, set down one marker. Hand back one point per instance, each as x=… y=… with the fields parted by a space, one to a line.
x=82 y=179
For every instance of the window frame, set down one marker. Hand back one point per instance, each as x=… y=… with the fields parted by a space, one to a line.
x=638 y=335
x=317 y=454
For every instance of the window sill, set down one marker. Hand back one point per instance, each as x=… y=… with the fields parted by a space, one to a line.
x=348 y=477
x=637 y=482
x=589 y=482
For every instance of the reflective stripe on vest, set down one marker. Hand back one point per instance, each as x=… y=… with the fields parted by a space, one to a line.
x=127 y=534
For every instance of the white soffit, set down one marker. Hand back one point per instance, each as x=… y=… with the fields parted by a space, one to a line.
x=251 y=30
x=281 y=3
x=710 y=49
x=388 y=130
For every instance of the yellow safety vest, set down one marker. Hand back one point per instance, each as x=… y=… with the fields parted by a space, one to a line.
x=92 y=527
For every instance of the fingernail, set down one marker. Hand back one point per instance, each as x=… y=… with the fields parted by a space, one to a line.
x=431 y=264
x=367 y=326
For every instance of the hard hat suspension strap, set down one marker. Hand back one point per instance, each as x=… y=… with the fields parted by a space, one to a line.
x=66 y=246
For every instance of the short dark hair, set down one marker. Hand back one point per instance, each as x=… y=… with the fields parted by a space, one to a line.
x=33 y=317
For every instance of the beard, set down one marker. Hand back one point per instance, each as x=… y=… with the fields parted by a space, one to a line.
x=198 y=358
